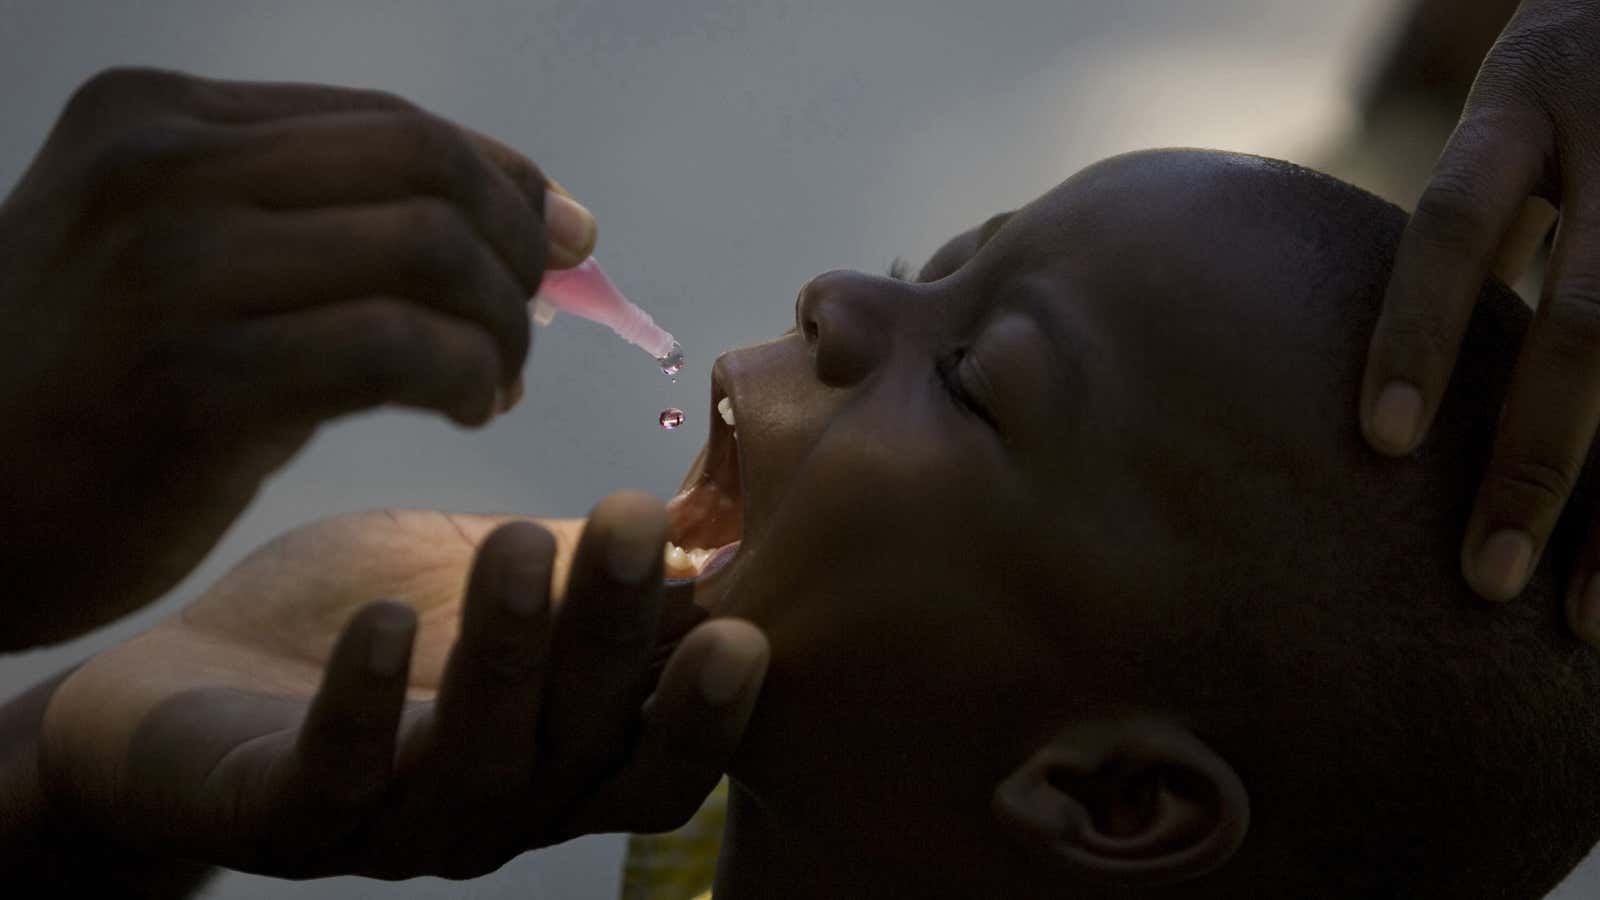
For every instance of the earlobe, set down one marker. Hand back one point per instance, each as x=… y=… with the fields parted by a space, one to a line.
x=1137 y=801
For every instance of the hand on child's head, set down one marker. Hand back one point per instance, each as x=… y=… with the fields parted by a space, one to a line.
x=1093 y=462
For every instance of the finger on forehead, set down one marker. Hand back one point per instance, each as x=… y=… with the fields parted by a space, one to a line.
x=1551 y=413
x=1474 y=196
x=1523 y=239
x=1583 y=589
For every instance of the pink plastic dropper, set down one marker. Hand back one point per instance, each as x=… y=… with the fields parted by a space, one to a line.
x=584 y=290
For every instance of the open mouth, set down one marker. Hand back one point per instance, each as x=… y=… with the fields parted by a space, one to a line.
x=706 y=518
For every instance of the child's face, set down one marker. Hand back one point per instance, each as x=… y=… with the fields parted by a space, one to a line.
x=962 y=497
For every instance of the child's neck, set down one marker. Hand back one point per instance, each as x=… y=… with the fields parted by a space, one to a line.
x=761 y=858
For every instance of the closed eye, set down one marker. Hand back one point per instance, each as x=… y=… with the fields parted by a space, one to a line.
x=949 y=368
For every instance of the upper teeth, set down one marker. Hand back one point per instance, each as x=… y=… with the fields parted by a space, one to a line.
x=726 y=409
x=678 y=558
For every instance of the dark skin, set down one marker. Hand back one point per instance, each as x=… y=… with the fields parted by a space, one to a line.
x=196 y=274
x=972 y=506
x=975 y=500
x=842 y=428
x=518 y=690
x=1527 y=135
x=1435 y=54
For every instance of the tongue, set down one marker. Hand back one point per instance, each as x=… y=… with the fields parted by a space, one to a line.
x=719 y=559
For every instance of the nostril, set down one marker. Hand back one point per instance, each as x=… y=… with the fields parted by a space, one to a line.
x=842 y=316
x=805 y=312
x=810 y=330
x=826 y=297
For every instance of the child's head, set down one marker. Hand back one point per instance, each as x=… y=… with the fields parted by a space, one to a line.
x=1077 y=570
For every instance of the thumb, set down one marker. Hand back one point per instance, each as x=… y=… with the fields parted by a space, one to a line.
x=693 y=724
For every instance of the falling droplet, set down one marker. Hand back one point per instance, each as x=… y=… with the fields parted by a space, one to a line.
x=672 y=363
x=671 y=418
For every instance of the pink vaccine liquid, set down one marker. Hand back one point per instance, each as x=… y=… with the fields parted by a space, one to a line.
x=584 y=290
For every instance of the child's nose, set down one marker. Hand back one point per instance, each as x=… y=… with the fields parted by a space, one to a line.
x=846 y=318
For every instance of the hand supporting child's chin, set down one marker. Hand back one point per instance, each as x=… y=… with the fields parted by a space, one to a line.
x=502 y=694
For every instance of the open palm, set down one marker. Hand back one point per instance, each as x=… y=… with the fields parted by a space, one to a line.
x=285 y=723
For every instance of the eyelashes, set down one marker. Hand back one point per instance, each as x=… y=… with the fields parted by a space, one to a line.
x=947 y=365
x=947 y=369
x=942 y=366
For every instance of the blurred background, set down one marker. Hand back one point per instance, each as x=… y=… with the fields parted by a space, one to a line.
x=731 y=149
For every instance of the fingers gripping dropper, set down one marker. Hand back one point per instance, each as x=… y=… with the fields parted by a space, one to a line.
x=584 y=290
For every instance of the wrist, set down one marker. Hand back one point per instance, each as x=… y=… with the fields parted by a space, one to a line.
x=23 y=825
x=42 y=850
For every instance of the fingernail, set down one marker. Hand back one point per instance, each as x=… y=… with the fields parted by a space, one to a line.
x=568 y=224
x=1396 y=416
x=1502 y=563
x=506 y=398
x=631 y=558
x=390 y=642
x=726 y=670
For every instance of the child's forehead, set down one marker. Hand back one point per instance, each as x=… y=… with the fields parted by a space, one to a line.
x=1166 y=190
x=1123 y=195
x=1164 y=224
x=1164 y=253
x=1105 y=215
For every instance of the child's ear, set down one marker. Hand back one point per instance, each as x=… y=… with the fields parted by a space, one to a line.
x=1135 y=801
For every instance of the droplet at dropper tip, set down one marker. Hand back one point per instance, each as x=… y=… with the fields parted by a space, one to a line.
x=671 y=362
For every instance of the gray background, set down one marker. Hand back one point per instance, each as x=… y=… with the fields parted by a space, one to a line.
x=730 y=150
